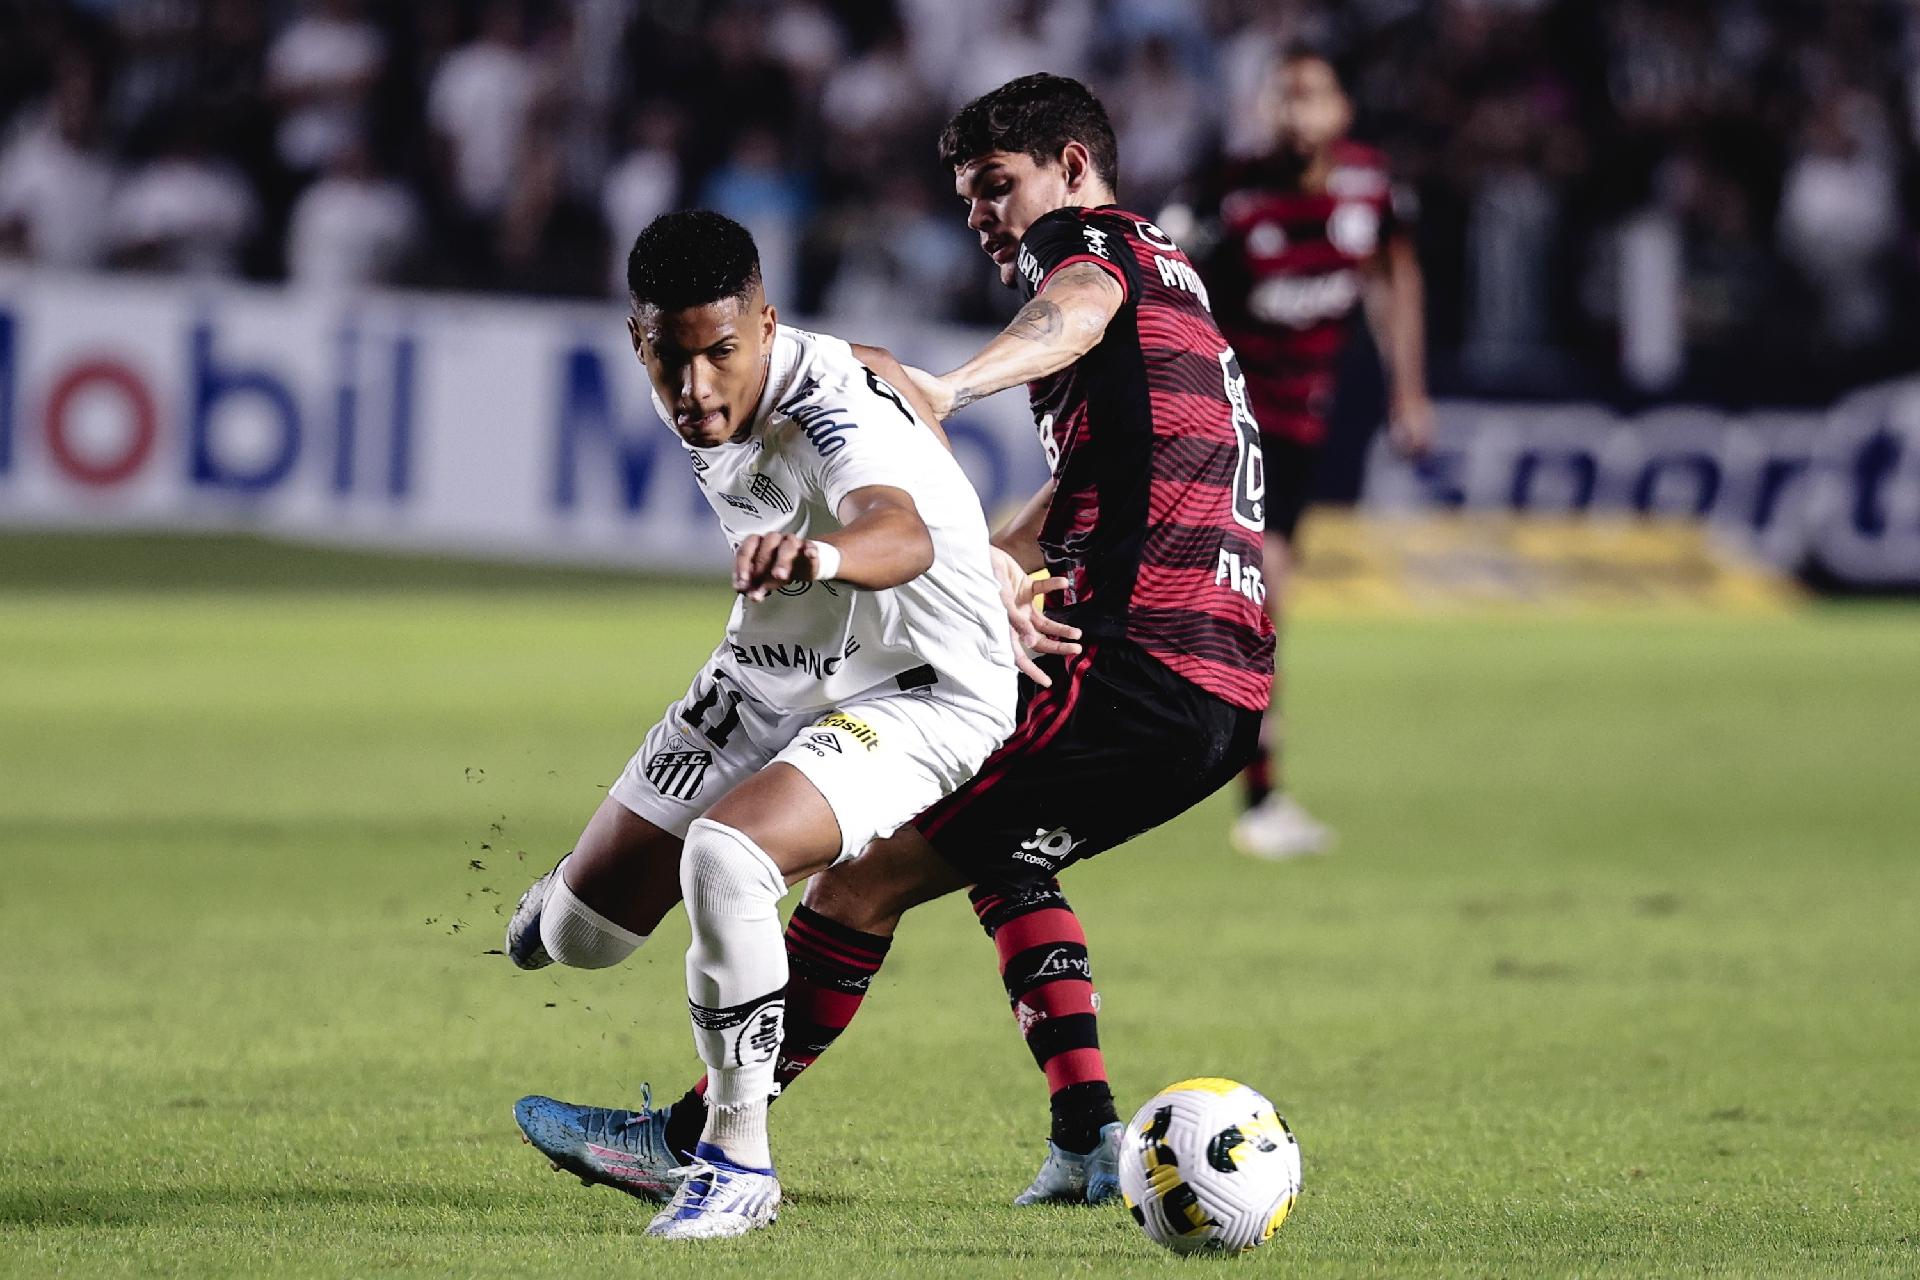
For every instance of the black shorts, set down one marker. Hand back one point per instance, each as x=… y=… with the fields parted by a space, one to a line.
x=1117 y=746
x=1290 y=468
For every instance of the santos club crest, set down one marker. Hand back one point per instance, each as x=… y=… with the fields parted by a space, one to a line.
x=679 y=773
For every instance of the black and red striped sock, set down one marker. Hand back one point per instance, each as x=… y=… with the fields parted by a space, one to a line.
x=1049 y=982
x=829 y=967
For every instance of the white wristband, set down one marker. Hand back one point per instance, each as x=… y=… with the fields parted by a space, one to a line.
x=826 y=560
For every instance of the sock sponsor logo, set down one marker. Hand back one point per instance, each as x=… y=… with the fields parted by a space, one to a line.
x=679 y=774
x=759 y=1038
x=1064 y=962
x=1027 y=1017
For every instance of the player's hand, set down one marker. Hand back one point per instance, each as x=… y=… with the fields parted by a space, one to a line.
x=934 y=390
x=1033 y=631
x=765 y=562
x=1410 y=424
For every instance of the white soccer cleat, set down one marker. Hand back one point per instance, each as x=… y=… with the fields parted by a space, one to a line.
x=718 y=1199
x=1069 y=1178
x=1278 y=828
x=524 y=947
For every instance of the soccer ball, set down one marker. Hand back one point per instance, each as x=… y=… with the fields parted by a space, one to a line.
x=1209 y=1166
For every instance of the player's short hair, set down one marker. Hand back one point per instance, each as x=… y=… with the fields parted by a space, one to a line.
x=1037 y=115
x=691 y=258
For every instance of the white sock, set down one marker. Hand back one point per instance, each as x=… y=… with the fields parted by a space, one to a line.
x=576 y=935
x=736 y=982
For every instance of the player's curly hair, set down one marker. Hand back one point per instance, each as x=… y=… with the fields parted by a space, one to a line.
x=691 y=258
x=1037 y=115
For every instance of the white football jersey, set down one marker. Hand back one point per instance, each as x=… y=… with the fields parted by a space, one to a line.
x=825 y=426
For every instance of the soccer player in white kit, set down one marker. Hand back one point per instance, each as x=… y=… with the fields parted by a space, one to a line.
x=867 y=671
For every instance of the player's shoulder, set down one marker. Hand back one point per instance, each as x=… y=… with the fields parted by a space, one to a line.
x=827 y=394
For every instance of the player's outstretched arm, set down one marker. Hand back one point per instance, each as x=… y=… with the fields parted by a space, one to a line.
x=1062 y=323
x=882 y=542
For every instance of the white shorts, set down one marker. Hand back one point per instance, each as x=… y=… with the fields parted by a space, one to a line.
x=879 y=759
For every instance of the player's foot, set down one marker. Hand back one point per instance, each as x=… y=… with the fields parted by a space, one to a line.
x=524 y=947
x=1279 y=828
x=1070 y=1178
x=626 y=1150
x=718 y=1198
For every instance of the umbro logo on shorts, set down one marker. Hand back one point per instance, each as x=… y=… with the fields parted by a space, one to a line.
x=679 y=773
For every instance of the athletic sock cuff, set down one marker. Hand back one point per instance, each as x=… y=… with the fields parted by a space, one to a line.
x=857 y=945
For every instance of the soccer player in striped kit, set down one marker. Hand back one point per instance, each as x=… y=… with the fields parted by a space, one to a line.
x=1290 y=243
x=1157 y=658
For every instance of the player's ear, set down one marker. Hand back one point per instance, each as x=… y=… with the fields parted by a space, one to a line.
x=633 y=332
x=1077 y=164
x=768 y=319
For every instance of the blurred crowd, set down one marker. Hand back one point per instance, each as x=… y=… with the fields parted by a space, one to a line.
x=1639 y=196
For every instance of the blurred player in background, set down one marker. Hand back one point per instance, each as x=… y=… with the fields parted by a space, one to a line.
x=1290 y=242
x=1151 y=526
x=865 y=673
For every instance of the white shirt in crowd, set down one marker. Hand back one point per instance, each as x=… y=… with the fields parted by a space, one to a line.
x=641 y=187
x=348 y=231
x=479 y=101
x=318 y=51
x=195 y=214
x=60 y=193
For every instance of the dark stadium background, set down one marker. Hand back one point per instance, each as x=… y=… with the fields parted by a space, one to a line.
x=1776 y=137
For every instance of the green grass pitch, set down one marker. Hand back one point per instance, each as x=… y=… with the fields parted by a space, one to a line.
x=1617 y=971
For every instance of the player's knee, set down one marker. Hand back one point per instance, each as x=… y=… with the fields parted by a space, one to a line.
x=576 y=935
x=723 y=872
x=851 y=894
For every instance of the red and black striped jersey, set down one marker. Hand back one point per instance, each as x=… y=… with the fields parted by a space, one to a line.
x=1286 y=271
x=1158 y=504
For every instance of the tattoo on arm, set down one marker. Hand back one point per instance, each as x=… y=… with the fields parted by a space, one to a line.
x=1039 y=321
x=964 y=396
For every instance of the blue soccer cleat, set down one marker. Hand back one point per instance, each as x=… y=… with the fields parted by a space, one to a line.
x=625 y=1150
x=1070 y=1178
x=718 y=1198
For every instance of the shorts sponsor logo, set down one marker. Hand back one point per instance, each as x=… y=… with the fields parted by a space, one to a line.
x=1048 y=848
x=854 y=727
x=679 y=773
x=739 y=503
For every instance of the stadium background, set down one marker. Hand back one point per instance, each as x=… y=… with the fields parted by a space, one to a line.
x=1623 y=917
